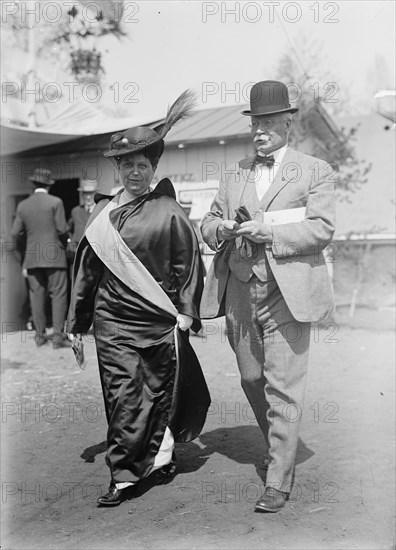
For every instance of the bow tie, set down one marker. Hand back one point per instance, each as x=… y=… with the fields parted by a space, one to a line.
x=267 y=161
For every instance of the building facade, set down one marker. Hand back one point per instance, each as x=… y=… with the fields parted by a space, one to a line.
x=198 y=152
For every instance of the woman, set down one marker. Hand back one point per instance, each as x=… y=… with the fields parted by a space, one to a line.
x=137 y=273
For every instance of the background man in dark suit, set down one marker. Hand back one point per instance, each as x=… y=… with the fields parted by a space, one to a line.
x=269 y=276
x=41 y=220
x=79 y=217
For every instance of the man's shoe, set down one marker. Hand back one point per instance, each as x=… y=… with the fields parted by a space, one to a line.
x=272 y=500
x=61 y=342
x=40 y=340
x=115 y=496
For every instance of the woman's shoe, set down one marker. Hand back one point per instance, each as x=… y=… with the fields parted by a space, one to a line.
x=167 y=472
x=115 y=496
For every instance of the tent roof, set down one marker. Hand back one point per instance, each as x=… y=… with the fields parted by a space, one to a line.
x=68 y=122
x=17 y=139
x=74 y=122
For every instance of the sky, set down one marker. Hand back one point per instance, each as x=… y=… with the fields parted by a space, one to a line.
x=220 y=48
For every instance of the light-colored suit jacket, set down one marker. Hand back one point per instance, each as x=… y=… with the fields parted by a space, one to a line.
x=295 y=255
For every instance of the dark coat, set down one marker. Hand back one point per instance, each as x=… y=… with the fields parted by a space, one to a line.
x=147 y=385
x=40 y=221
x=77 y=222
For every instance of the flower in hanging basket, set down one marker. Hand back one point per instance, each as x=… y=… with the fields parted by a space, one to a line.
x=86 y=62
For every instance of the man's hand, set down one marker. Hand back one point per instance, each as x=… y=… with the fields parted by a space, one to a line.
x=256 y=231
x=227 y=230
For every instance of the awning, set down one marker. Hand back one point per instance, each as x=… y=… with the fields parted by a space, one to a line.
x=16 y=139
x=67 y=123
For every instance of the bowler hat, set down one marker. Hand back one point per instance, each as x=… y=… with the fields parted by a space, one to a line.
x=135 y=140
x=268 y=98
x=42 y=175
x=88 y=186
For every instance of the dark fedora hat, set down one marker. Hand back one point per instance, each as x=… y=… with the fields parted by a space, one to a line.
x=151 y=140
x=43 y=176
x=268 y=98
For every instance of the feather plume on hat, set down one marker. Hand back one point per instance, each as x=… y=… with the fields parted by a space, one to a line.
x=181 y=108
x=145 y=138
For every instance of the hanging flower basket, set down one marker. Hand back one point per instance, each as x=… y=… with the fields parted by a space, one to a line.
x=86 y=65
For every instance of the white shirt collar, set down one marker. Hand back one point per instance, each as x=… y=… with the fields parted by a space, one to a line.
x=125 y=197
x=41 y=190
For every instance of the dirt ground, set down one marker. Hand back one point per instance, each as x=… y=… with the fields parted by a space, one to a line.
x=53 y=432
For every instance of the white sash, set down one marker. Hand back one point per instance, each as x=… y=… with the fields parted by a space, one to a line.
x=108 y=245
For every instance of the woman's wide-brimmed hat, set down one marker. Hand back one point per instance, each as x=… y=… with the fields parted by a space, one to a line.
x=145 y=139
x=88 y=186
x=134 y=140
x=43 y=176
x=268 y=98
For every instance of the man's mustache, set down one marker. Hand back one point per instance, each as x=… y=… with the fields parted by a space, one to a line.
x=262 y=137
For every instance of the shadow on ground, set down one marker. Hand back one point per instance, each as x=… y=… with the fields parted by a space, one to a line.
x=240 y=444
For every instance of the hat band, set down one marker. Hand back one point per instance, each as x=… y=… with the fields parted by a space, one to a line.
x=39 y=179
x=263 y=109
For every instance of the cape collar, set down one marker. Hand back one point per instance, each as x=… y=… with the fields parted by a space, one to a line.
x=163 y=187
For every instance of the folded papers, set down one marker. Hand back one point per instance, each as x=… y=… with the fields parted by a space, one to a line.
x=280 y=217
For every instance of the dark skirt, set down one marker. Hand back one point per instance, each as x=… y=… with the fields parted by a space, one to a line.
x=149 y=381
x=137 y=361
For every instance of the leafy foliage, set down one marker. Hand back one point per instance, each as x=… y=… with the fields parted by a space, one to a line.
x=72 y=34
x=338 y=148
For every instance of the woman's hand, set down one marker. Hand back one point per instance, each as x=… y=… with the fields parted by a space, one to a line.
x=78 y=348
x=77 y=336
x=184 y=322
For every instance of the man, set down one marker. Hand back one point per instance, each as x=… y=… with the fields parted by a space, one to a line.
x=269 y=276
x=79 y=216
x=41 y=218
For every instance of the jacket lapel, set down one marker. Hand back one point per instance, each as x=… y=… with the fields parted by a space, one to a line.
x=243 y=174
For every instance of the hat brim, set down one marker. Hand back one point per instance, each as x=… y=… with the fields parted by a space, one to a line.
x=35 y=180
x=289 y=110
x=133 y=149
x=87 y=190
